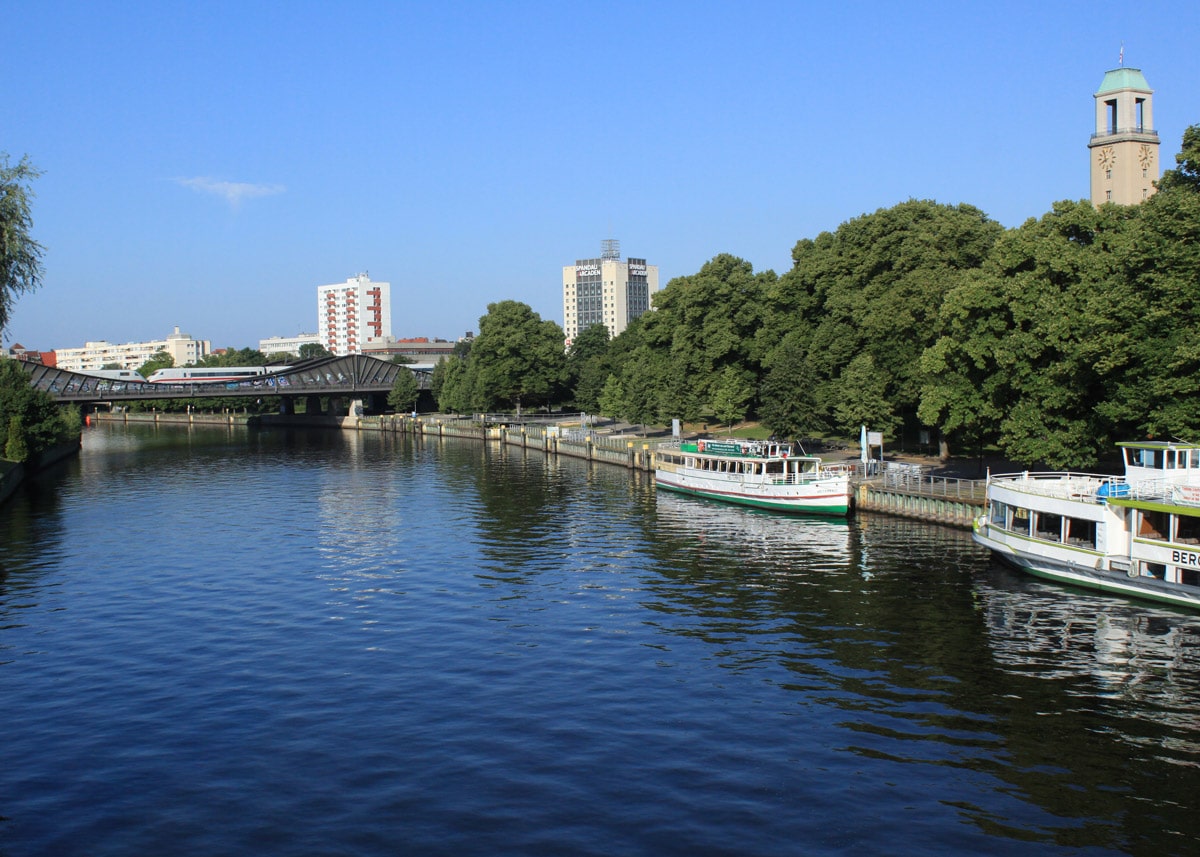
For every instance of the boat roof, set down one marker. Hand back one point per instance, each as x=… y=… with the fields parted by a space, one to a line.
x=1157 y=444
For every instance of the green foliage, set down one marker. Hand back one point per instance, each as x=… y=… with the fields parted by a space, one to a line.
x=863 y=399
x=588 y=366
x=789 y=406
x=17 y=447
x=1186 y=175
x=452 y=392
x=314 y=351
x=235 y=357
x=30 y=419
x=20 y=255
x=160 y=360
x=876 y=287
x=404 y=392
x=702 y=324
x=731 y=395
x=612 y=398
x=516 y=360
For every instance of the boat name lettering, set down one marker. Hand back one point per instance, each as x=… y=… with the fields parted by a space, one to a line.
x=1185 y=557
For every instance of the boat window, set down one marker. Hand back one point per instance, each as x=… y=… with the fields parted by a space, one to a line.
x=775 y=467
x=1187 y=529
x=1155 y=525
x=1154 y=569
x=1194 y=458
x=1048 y=526
x=1020 y=521
x=1080 y=533
x=999 y=513
x=1189 y=576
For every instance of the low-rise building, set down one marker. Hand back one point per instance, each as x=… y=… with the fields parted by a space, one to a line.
x=184 y=350
x=418 y=349
x=289 y=345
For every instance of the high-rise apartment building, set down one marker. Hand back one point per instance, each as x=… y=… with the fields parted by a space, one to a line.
x=606 y=291
x=350 y=313
x=1124 y=147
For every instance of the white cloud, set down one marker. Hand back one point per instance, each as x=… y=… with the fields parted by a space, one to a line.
x=231 y=192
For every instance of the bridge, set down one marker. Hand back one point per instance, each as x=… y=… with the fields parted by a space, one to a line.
x=352 y=375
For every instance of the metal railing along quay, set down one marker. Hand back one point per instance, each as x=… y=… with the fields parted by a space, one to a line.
x=910 y=491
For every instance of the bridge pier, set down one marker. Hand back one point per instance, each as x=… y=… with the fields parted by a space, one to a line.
x=312 y=405
x=287 y=406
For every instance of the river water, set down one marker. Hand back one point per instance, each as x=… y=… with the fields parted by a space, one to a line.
x=221 y=641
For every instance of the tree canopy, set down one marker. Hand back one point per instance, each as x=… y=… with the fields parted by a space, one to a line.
x=20 y=255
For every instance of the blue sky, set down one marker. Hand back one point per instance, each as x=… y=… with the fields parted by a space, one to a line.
x=208 y=164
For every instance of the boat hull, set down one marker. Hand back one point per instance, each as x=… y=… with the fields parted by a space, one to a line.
x=829 y=499
x=1085 y=576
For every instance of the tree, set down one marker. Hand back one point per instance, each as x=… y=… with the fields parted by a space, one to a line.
x=588 y=366
x=731 y=395
x=517 y=358
x=314 y=351
x=30 y=420
x=159 y=360
x=612 y=398
x=703 y=323
x=235 y=357
x=876 y=286
x=1186 y=175
x=863 y=399
x=20 y=255
x=403 y=396
x=787 y=402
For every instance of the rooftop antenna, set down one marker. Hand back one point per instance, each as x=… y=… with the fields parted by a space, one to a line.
x=610 y=248
x=1121 y=56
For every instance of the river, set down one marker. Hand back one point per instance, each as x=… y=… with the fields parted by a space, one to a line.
x=235 y=642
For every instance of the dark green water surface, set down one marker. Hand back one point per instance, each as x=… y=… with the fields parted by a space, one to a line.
x=220 y=642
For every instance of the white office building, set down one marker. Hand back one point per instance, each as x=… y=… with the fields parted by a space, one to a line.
x=606 y=291
x=350 y=313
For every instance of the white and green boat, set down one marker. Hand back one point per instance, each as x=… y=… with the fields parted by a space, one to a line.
x=762 y=474
x=1136 y=534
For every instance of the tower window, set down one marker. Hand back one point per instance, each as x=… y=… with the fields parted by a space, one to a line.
x=1111 y=109
x=1138 y=112
x=1108 y=174
x=1108 y=195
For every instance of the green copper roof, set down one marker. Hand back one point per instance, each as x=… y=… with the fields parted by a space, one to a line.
x=1123 y=78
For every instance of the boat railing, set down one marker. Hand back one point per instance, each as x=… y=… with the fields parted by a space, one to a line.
x=1168 y=490
x=1065 y=484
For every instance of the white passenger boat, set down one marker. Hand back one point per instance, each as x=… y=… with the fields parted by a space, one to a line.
x=1137 y=534
x=763 y=474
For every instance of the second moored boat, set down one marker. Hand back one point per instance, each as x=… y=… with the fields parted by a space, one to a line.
x=763 y=474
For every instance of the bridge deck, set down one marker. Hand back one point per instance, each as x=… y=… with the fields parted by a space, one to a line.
x=350 y=374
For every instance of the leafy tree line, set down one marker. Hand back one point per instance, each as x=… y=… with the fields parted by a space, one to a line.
x=1048 y=341
x=30 y=421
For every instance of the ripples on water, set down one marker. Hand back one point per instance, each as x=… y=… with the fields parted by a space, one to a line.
x=309 y=643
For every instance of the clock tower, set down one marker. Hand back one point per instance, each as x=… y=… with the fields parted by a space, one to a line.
x=1124 y=148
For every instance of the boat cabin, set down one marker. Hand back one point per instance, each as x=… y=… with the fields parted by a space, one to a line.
x=1144 y=460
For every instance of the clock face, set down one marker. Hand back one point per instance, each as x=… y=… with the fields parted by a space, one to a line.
x=1146 y=155
x=1107 y=157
